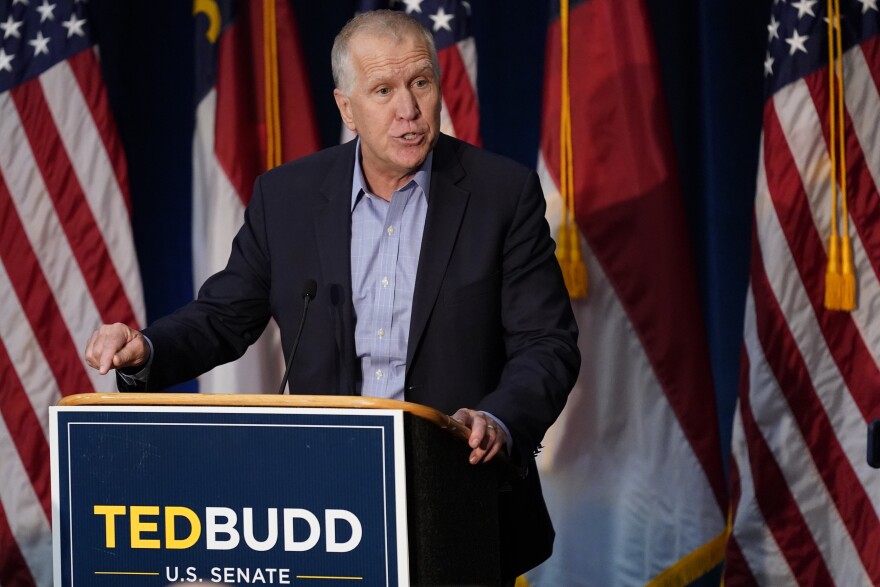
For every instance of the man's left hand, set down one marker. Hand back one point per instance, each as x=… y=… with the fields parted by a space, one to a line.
x=487 y=436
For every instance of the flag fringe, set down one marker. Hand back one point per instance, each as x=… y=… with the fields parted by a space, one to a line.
x=695 y=564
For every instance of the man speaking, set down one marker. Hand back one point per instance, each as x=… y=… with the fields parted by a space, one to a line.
x=436 y=277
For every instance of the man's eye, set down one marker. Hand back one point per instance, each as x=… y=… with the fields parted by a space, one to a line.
x=383 y=91
x=422 y=83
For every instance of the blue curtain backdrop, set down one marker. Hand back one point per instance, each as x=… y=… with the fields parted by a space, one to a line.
x=711 y=55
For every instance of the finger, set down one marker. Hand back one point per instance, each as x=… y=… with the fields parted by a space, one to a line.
x=485 y=444
x=111 y=344
x=494 y=449
x=471 y=419
x=495 y=441
x=479 y=432
x=105 y=359
x=89 y=354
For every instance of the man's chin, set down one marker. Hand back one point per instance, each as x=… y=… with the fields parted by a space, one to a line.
x=412 y=157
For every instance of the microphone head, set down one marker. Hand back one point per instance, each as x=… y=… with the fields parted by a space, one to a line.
x=310 y=288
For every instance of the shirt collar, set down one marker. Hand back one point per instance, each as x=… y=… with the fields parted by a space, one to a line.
x=358 y=185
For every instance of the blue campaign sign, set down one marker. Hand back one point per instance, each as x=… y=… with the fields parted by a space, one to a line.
x=152 y=496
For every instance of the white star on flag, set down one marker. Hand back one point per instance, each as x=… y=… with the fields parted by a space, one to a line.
x=10 y=28
x=46 y=10
x=413 y=6
x=40 y=43
x=441 y=20
x=868 y=5
x=804 y=7
x=74 y=26
x=796 y=42
x=773 y=28
x=768 y=66
x=5 y=61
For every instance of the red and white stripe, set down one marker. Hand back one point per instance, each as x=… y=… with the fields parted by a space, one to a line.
x=460 y=115
x=67 y=265
x=806 y=502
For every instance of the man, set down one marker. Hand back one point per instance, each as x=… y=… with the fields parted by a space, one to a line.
x=437 y=280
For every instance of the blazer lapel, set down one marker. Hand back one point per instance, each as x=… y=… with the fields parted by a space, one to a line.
x=446 y=206
x=332 y=216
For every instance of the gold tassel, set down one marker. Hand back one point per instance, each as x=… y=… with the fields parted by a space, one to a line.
x=568 y=253
x=833 y=275
x=840 y=279
x=568 y=243
x=848 y=276
x=272 y=96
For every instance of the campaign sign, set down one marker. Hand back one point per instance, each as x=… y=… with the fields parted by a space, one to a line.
x=150 y=496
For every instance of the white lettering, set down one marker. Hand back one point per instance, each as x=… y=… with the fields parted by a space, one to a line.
x=247 y=576
x=213 y=528
x=269 y=542
x=330 y=518
x=290 y=544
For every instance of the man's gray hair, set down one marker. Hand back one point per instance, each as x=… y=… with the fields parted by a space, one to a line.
x=390 y=24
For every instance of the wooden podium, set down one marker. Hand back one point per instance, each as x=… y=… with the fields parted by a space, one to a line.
x=153 y=489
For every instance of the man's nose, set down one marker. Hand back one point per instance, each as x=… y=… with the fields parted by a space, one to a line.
x=407 y=105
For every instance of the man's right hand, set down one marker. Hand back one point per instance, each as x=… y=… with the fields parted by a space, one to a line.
x=116 y=346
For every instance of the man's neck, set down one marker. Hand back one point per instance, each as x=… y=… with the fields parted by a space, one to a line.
x=385 y=186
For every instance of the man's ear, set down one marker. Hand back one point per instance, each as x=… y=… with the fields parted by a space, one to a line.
x=344 y=105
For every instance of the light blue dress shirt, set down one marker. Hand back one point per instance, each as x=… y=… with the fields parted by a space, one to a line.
x=386 y=238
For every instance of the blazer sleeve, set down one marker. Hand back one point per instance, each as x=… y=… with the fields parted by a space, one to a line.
x=539 y=329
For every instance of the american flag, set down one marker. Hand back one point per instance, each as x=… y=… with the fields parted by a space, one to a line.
x=805 y=502
x=632 y=469
x=247 y=121
x=449 y=21
x=67 y=258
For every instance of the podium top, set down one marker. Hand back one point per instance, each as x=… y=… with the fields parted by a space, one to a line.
x=440 y=419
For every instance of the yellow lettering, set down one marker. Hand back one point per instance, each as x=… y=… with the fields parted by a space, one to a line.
x=110 y=512
x=171 y=541
x=138 y=527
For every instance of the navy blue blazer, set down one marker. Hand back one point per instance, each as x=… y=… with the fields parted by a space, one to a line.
x=492 y=327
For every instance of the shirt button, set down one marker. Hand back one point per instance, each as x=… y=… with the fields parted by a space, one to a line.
x=381 y=332
x=385 y=282
x=390 y=230
x=378 y=374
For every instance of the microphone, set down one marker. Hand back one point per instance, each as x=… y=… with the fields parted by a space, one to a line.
x=309 y=290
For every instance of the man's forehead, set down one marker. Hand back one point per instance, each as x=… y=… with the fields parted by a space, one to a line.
x=381 y=58
x=379 y=43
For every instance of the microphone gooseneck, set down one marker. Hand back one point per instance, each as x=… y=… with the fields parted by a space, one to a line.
x=309 y=291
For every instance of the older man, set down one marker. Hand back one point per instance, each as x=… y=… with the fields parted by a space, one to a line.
x=437 y=278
